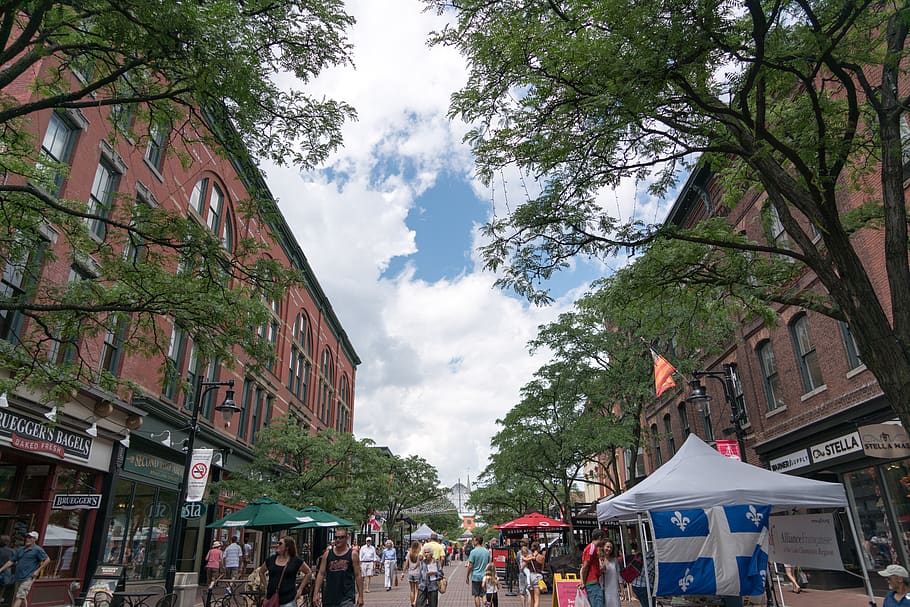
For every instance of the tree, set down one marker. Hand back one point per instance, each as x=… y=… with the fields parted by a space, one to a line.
x=180 y=72
x=501 y=498
x=800 y=101
x=551 y=435
x=411 y=481
x=332 y=470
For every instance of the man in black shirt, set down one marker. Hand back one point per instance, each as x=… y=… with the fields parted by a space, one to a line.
x=339 y=575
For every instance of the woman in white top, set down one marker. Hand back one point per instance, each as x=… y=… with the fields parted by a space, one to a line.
x=609 y=574
x=412 y=567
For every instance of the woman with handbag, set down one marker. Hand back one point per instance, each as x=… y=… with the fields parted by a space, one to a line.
x=282 y=589
x=535 y=563
x=428 y=579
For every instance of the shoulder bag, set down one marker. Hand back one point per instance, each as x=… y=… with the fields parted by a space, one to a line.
x=442 y=584
x=272 y=601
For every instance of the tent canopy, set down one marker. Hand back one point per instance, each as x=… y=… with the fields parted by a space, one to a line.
x=700 y=477
x=422 y=533
x=533 y=521
x=320 y=518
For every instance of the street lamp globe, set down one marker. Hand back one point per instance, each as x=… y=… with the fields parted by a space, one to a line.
x=698 y=395
x=228 y=408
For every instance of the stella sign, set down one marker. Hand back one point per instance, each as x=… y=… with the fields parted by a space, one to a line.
x=885 y=440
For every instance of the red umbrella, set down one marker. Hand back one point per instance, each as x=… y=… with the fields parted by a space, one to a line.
x=534 y=521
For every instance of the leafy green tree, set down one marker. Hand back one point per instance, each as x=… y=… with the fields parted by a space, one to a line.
x=184 y=73
x=503 y=497
x=411 y=481
x=801 y=101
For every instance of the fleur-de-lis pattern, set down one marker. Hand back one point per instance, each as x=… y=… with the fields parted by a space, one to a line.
x=755 y=516
x=680 y=521
x=686 y=580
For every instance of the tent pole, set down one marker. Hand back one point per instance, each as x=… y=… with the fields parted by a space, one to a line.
x=780 y=587
x=644 y=559
x=622 y=546
x=861 y=555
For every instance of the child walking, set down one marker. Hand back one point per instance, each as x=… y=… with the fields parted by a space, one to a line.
x=491 y=585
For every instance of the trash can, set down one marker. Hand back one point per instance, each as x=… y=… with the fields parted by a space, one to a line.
x=186 y=584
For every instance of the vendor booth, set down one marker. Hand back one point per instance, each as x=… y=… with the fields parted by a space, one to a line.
x=532 y=524
x=698 y=477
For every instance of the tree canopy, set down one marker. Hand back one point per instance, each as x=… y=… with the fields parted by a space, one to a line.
x=182 y=72
x=803 y=102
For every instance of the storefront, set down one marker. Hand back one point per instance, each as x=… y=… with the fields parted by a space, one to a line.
x=51 y=474
x=878 y=488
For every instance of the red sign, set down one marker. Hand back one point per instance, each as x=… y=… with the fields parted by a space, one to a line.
x=729 y=448
x=199 y=471
x=29 y=444
x=564 y=593
x=499 y=558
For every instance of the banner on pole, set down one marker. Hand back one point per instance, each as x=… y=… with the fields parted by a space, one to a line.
x=806 y=540
x=198 y=478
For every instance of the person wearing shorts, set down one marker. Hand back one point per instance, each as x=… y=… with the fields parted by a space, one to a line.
x=477 y=566
x=30 y=561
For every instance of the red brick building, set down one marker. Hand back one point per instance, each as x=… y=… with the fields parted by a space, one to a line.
x=101 y=486
x=803 y=393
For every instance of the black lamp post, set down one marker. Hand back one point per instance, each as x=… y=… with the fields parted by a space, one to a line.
x=699 y=396
x=228 y=409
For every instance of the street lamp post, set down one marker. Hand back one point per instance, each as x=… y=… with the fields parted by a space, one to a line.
x=699 y=396
x=227 y=408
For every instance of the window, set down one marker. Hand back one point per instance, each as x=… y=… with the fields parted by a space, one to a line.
x=154 y=151
x=197 y=197
x=668 y=429
x=113 y=344
x=770 y=378
x=216 y=200
x=709 y=427
x=341 y=419
x=299 y=369
x=57 y=148
x=850 y=347
x=739 y=397
x=175 y=354
x=101 y=199
x=208 y=200
x=655 y=447
x=806 y=356
x=256 y=419
x=19 y=274
x=683 y=419
x=777 y=236
x=249 y=387
x=63 y=348
x=327 y=378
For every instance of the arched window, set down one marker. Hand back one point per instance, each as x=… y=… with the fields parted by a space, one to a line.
x=806 y=356
x=770 y=378
x=344 y=407
x=299 y=372
x=655 y=447
x=327 y=380
x=208 y=201
x=671 y=440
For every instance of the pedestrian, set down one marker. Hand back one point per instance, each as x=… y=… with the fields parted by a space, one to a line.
x=790 y=572
x=898 y=584
x=282 y=567
x=535 y=563
x=247 y=556
x=609 y=574
x=645 y=580
x=412 y=567
x=213 y=562
x=491 y=586
x=368 y=558
x=6 y=579
x=389 y=558
x=29 y=560
x=339 y=578
x=590 y=569
x=476 y=566
x=231 y=558
x=524 y=550
x=431 y=571
x=439 y=551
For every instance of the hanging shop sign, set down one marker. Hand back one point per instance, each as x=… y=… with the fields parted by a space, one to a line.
x=29 y=434
x=200 y=466
x=849 y=443
x=87 y=501
x=885 y=440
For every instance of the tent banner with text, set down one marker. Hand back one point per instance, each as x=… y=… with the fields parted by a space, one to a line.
x=805 y=540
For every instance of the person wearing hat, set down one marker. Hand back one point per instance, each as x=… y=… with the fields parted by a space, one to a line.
x=213 y=562
x=30 y=561
x=899 y=584
x=368 y=558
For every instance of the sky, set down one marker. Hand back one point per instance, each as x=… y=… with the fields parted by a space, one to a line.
x=390 y=224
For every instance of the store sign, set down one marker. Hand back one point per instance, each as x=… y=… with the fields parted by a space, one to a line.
x=849 y=443
x=728 y=448
x=153 y=466
x=791 y=461
x=885 y=440
x=192 y=510
x=31 y=435
x=77 y=502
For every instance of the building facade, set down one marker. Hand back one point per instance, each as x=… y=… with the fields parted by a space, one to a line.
x=98 y=476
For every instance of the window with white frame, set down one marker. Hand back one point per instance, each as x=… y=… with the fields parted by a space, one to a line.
x=850 y=347
x=327 y=383
x=770 y=377
x=154 y=151
x=19 y=274
x=101 y=199
x=57 y=147
x=113 y=345
x=210 y=203
x=806 y=355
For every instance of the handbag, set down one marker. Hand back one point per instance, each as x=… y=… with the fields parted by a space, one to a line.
x=542 y=584
x=442 y=585
x=631 y=571
x=581 y=598
x=272 y=601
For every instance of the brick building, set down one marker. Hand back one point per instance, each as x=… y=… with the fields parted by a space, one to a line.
x=802 y=393
x=100 y=483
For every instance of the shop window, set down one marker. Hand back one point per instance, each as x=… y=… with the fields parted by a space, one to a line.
x=64 y=539
x=139 y=529
x=870 y=506
x=7 y=481
x=806 y=355
x=36 y=482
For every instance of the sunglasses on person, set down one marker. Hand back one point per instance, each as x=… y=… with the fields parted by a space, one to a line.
x=340 y=537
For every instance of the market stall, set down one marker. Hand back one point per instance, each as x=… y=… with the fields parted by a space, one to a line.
x=505 y=557
x=700 y=477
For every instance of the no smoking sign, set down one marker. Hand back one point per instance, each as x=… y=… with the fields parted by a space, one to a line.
x=199 y=471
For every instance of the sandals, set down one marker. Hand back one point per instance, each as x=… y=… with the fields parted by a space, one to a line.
x=796 y=590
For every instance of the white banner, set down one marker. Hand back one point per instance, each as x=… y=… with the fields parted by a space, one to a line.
x=200 y=466
x=806 y=540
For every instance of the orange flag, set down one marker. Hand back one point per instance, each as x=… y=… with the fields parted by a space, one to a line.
x=663 y=373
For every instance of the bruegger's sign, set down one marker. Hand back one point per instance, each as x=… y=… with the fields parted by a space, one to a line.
x=83 y=501
x=31 y=435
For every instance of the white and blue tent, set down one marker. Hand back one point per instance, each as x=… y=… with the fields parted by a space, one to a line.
x=700 y=477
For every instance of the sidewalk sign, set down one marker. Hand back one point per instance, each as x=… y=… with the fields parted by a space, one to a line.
x=564 y=588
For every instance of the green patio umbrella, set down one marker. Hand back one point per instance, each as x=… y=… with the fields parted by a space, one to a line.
x=320 y=518
x=263 y=514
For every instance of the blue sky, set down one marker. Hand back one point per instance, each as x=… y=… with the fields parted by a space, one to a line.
x=389 y=224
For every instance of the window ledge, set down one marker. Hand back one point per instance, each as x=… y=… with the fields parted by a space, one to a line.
x=856 y=371
x=777 y=411
x=809 y=395
x=155 y=172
